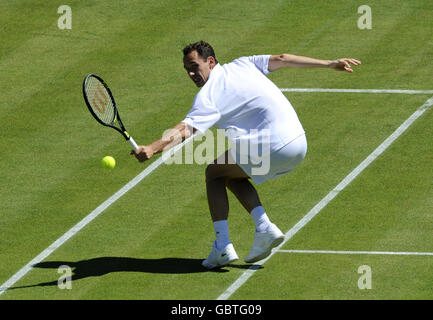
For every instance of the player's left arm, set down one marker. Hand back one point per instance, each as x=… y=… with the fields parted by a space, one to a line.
x=290 y=60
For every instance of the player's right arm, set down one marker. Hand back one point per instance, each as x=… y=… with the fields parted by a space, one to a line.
x=169 y=139
x=290 y=60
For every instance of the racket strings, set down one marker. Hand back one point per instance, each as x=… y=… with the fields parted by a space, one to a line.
x=100 y=101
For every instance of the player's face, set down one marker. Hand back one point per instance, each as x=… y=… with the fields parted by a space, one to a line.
x=198 y=69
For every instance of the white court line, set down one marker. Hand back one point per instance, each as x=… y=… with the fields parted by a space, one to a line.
x=359 y=252
x=328 y=198
x=90 y=217
x=357 y=90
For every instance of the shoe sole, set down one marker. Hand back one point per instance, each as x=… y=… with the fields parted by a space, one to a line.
x=213 y=266
x=274 y=244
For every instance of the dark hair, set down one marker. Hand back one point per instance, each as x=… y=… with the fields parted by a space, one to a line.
x=203 y=49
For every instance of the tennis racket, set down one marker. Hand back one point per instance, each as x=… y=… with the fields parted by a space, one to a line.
x=102 y=106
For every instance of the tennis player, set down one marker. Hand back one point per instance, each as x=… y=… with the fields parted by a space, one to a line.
x=239 y=98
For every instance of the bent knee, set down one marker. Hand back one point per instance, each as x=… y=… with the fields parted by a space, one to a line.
x=211 y=172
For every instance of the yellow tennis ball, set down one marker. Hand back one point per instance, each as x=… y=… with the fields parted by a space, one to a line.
x=108 y=162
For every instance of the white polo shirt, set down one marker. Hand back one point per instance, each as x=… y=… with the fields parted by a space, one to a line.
x=239 y=98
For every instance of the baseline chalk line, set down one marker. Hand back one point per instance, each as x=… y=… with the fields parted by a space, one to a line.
x=391 y=253
x=395 y=91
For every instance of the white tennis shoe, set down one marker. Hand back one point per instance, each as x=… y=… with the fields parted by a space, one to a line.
x=264 y=242
x=221 y=258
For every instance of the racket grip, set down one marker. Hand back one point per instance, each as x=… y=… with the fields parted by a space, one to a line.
x=133 y=144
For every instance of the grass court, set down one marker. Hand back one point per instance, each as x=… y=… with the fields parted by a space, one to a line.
x=149 y=244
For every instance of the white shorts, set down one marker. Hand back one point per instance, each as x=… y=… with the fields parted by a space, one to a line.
x=278 y=163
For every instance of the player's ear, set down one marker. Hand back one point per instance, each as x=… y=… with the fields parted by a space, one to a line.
x=211 y=61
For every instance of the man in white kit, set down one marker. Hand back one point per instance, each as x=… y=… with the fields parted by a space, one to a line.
x=262 y=126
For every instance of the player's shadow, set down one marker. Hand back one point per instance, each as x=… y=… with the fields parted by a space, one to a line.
x=97 y=267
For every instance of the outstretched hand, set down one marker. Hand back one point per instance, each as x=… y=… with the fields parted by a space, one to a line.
x=344 y=64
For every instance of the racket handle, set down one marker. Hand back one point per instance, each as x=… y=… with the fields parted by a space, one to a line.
x=133 y=144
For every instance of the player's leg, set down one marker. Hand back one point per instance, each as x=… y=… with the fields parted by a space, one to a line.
x=217 y=174
x=283 y=161
x=267 y=235
x=245 y=192
x=225 y=173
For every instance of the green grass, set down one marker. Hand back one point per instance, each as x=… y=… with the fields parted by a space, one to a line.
x=149 y=244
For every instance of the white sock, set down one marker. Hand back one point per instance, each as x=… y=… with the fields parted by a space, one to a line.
x=260 y=219
x=221 y=233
